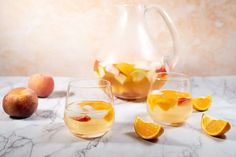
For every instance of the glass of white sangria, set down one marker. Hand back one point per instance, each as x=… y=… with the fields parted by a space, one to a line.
x=89 y=111
x=129 y=81
x=171 y=103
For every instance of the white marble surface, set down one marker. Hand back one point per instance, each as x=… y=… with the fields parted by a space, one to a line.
x=44 y=133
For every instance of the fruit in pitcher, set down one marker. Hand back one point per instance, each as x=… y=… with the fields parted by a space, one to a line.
x=147 y=130
x=125 y=68
x=129 y=81
x=42 y=84
x=20 y=102
x=213 y=126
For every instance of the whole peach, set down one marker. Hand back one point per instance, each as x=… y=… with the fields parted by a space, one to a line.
x=42 y=84
x=20 y=102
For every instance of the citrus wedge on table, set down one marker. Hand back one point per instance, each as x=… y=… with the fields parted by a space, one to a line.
x=213 y=126
x=202 y=103
x=147 y=130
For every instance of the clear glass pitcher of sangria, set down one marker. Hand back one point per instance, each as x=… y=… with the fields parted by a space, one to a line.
x=131 y=58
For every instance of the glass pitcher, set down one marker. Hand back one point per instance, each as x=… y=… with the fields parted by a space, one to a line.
x=130 y=59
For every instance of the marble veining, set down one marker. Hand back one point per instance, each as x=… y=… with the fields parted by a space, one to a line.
x=44 y=133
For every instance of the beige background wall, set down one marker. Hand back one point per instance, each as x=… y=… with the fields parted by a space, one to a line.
x=60 y=37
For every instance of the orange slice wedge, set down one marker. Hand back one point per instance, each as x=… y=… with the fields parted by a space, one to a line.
x=165 y=103
x=170 y=92
x=125 y=68
x=202 y=103
x=147 y=130
x=213 y=126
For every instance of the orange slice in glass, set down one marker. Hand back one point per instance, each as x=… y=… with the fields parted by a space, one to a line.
x=213 y=126
x=164 y=102
x=125 y=68
x=170 y=92
x=100 y=105
x=147 y=130
x=202 y=103
x=184 y=98
x=110 y=115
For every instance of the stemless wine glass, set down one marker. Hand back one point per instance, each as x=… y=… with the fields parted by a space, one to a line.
x=89 y=111
x=169 y=98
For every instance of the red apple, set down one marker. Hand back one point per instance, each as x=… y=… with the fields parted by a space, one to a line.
x=42 y=84
x=20 y=102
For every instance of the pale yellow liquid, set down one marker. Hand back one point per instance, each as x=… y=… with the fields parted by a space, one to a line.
x=95 y=126
x=175 y=115
x=129 y=88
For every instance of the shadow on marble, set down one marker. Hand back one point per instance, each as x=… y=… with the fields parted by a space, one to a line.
x=134 y=136
x=59 y=133
x=5 y=117
x=38 y=115
x=222 y=138
x=43 y=114
x=124 y=133
x=57 y=94
x=231 y=135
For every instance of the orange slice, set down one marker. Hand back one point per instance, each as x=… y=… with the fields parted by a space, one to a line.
x=147 y=130
x=171 y=92
x=213 y=126
x=100 y=105
x=164 y=102
x=125 y=68
x=202 y=103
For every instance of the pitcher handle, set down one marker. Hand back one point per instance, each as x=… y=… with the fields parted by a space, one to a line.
x=172 y=57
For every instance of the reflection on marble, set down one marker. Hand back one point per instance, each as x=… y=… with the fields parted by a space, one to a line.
x=44 y=133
